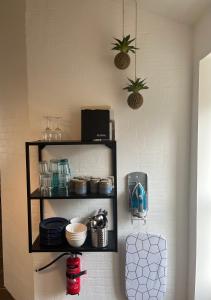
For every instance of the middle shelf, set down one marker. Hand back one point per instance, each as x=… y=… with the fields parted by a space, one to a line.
x=87 y=247
x=62 y=194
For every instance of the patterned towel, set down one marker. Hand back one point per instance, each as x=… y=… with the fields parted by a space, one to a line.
x=146 y=267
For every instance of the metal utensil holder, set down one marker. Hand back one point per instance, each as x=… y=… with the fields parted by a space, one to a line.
x=99 y=237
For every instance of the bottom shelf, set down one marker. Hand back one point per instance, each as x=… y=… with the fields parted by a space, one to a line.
x=87 y=247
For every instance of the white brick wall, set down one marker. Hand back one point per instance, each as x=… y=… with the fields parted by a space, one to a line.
x=69 y=64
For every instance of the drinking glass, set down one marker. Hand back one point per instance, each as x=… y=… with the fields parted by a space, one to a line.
x=47 y=133
x=45 y=184
x=43 y=166
x=64 y=167
x=64 y=180
x=57 y=130
x=54 y=165
x=54 y=169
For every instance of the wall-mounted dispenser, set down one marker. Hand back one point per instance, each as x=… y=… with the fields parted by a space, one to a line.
x=138 y=195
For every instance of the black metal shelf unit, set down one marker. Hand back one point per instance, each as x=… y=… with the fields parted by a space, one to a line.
x=35 y=195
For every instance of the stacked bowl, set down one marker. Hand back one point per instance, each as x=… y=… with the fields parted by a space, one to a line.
x=76 y=234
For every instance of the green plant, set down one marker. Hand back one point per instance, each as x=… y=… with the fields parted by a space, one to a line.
x=136 y=86
x=124 y=45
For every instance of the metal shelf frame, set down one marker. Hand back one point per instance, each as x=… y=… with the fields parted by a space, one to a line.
x=35 y=195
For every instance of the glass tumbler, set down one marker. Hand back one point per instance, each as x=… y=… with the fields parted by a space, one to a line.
x=64 y=180
x=54 y=166
x=64 y=167
x=45 y=184
x=54 y=169
x=43 y=166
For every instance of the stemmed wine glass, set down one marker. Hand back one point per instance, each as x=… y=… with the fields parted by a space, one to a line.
x=58 y=131
x=53 y=130
x=47 y=133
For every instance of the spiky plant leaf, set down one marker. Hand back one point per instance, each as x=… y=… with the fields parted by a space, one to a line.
x=124 y=45
x=136 y=86
x=129 y=42
x=118 y=41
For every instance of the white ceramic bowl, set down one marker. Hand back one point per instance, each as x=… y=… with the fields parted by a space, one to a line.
x=78 y=236
x=76 y=233
x=76 y=243
x=78 y=220
x=76 y=228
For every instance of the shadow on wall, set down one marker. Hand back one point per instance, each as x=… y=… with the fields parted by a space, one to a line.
x=119 y=270
x=1 y=251
x=57 y=290
x=4 y=295
x=181 y=217
x=119 y=258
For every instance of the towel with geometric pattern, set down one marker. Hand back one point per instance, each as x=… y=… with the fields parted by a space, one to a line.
x=146 y=267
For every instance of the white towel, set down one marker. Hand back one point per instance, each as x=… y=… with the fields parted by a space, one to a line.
x=146 y=267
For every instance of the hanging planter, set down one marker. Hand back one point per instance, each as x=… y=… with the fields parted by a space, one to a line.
x=135 y=99
x=122 y=59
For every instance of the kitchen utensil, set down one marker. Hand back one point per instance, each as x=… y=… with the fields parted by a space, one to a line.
x=99 y=237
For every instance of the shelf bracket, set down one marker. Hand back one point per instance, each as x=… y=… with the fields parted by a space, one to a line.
x=41 y=147
x=109 y=145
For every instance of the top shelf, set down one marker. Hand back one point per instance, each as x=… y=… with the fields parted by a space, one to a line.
x=108 y=143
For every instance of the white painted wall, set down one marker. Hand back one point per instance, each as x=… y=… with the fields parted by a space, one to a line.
x=18 y=277
x=202 y=47
x=69 y=65
x=203 y=273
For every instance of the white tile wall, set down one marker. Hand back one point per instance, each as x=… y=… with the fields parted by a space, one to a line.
x=69 y=64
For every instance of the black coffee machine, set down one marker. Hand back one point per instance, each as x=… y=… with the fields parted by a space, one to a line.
x=95 y=124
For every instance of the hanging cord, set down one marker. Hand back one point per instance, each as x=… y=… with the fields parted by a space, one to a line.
x=136 y=33
x=123 y=18
x=53 y=261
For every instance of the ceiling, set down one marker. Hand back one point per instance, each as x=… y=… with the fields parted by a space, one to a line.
x=185 y=11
